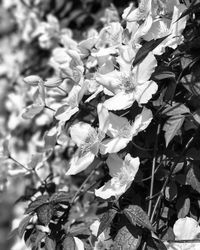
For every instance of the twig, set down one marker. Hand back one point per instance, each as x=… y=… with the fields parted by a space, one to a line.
x=153 y=169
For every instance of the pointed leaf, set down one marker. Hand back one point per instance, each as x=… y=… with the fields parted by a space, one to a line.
x=127 y=239
x=50 y=138
x=171 y=127
x=146 y=48
x=175 y=109
x=69 y=243
x=53 y=82
x=40 y=200
x=33 y=80
x=45 y=213
x=163 y=75
x=183 y=206
x=23 y=224
x=193 y=8
x=193 y=177
x=32 y=110
x=137 y=216
x=61 y=197
x=106 y=220
x=50 y=244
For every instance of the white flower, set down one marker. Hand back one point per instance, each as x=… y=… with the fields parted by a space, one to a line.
x=122 y=172
x=185 y=229
x=121 y=131
x=128 y=85
x=88 y=140
x=79 y=244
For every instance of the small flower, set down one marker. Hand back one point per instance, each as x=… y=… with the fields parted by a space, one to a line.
x=88 y=140
x=185 y=229
x=121 y=131
x=122 y=172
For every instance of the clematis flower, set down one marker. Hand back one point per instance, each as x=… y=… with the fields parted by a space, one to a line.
x=104 y=240
x=128 y=85
x=185 y=229
x=121 y=131
x=88 y=140
x=168 y=27
x=122 y=172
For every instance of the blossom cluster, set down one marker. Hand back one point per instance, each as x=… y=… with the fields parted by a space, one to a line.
x=97 y=72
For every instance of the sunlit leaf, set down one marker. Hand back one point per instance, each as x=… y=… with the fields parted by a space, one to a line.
x=50 y=244
x=23 y=224
x=45 y=213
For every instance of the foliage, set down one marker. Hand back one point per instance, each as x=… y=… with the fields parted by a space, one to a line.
x=100 y=117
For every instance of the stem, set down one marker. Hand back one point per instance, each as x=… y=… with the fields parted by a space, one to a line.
x=83 y=184
x=184 y=241
x=62 y=90
x=47 y=107
x=153 y=170
x=170 y=173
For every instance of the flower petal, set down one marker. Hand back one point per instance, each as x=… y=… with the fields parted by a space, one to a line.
x=80 y=131
x=120 y=101
x=79 y=244
x=78 y=164
x=145 y=91
x=114 y=163
x=103 y=117
x=113 y=145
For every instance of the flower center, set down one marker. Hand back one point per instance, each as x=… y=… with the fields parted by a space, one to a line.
x=91 y=143
x=125 y=132
x=127 y=84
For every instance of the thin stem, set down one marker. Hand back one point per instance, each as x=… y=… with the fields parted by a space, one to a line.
x=153 y=169
x=85 y=181
x=47 y=107
x=184 y=241
x=62 y=90
x=169 y=175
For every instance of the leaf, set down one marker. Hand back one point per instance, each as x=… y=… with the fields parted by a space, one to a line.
x=106 y=220
x=53 y=82
x=193 y=8
x=164 y=75
x=137 y=216
x=61 y=197
x=171 y=191
x=155 y=244
x=171 y=127
x=193 y=177
x=23 y=224
x=69 y=243
x=40 y=200
x=13 y=234
x=50 y=244
x=50 y=138
x=127 y=239
x=175 y=109
x=146 y=48
x=45 y=213
x=40 y=235
x=170 y=91
x=35 y=160
x=32 y=80
x=32 y=110
x=183 y=206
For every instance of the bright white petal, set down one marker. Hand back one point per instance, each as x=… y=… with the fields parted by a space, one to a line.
x=186 y=229
x=78 y=164
x=113 y=145
x=145 y=91
x=120 y=101
x=116 y=124
x=114 y=163
x=79 y=244
x=141 y=121
x=80 y=131
x=145 y=69
x=103 y=117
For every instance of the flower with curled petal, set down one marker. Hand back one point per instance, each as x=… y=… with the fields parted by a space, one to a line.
x=88 y=140
x=122 y=172
x=121 y=131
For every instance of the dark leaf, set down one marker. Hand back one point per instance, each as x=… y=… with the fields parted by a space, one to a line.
x=40 y=200
x=50 y=244
x=127 y=239
x=193 y=177
x=146 y=48
x=23 y=224
x=137 y=216
x=164 y=75
x=40 y=235
x=61 y=197
x=45 y=213
x=106 y=220
x=171 y=127
x=69 y=243
x=155 y=244
x=175 y=109
x=193 y=8
x=170 y=91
